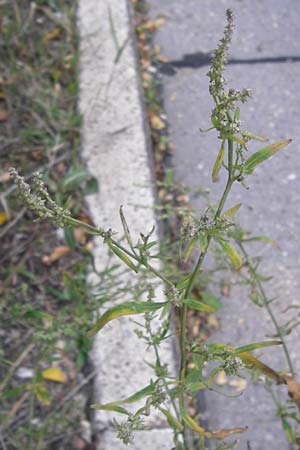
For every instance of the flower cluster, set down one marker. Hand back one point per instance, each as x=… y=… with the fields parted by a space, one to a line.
x=125 y=429
x=225 y=101
x=192 y=228
x=215 y=74
x=232 y=365
x=37 y=198
x=174 y=295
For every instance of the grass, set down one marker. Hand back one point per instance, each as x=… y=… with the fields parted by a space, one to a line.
x=42 y=308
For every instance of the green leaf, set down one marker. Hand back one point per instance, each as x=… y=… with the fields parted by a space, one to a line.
x=248 y=135
x=203 y=242
x=218 y=162
x=125 y=228
x=172 y=421
x=253 y=363
x=146 y=391
x=183 y=282
x=198 y=306
x=262 y=239
x=123 y=257
x=191 y=423
x=70 y=238
x=288 y=429
x=196 y=386
x=211 y=300
x=190 y=247
x=91 y=186
x=110 y=407
x=263 y=154
x=74 y=178
x=232 y=211
x=231 y=253
x=233 y=138
x=255 y=346
x=125 y=309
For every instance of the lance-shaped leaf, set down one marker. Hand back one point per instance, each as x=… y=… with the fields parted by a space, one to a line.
x=123 y=257
x=218 y=162
x=218 y=434
x=253 y=363
x=255 y=346
x=231 y=212
x=74 y=178
x=198 y=306
x=231 y=253
x=259 y=157
x=289 y=431
x=190 y=247
x=111 y=407
x=126 y=228
x=225 y=432
x=172 y=421
x=116 y=406
x=249 y=360
x=248 y=135
x=125 y=309
x=211 y=300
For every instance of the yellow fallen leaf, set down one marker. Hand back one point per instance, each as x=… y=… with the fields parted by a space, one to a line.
x=56 y=254
x=152 y=25
x=156 y=122
x=51 y=35
x=54 y=374
x=3 y=217
x=212 y=321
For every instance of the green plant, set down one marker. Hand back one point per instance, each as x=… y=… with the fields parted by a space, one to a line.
x=164 y=393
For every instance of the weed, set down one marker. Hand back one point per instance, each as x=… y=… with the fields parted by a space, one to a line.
x=165 y=393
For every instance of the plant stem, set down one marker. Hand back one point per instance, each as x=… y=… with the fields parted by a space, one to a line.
x=99 y=232
x=266 y=304
x=183 y=311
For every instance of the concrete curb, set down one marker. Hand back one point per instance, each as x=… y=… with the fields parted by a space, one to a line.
x=116 y=153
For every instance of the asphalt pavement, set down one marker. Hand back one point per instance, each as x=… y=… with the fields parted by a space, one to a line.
x=264 y=56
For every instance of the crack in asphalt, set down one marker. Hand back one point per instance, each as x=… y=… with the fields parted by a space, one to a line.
x=200 y=59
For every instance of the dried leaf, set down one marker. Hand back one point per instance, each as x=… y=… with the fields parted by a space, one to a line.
x=223 y=433
x=293 y=388
x=80 y=235
x=5 y=177
x=53 y=34
x=239 y=383
x=156 y=122
x=3 y=115
x=212 y=321
x=3 y=217
x=57 y=253
x=218 y=434
x=152 y=25
x=54 y=374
